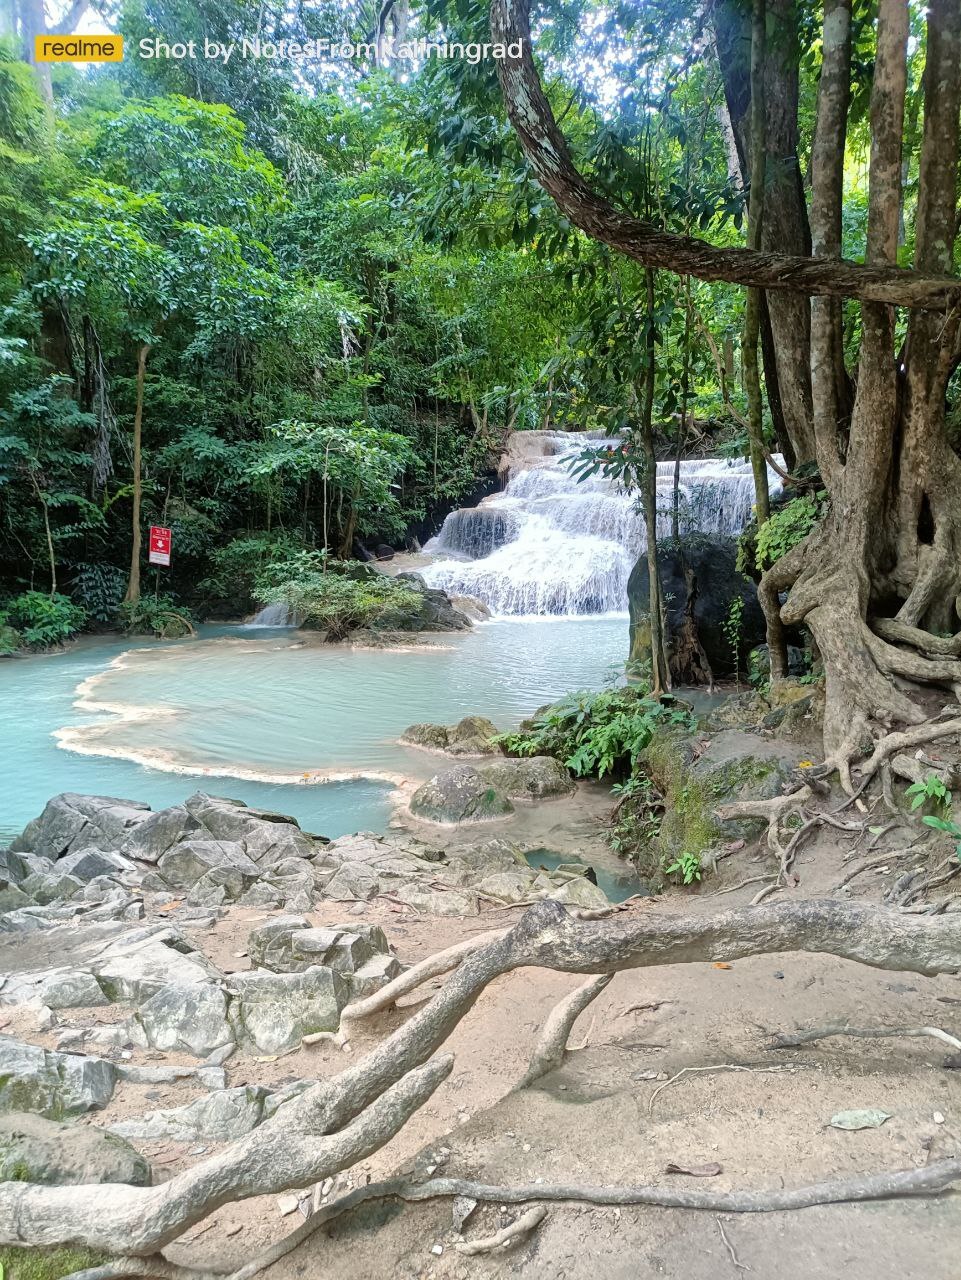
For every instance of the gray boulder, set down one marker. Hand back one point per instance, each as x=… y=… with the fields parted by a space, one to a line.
x=56 y=1085
x=88 y=864
x=142 y=961
x=430 y=610
x=461 y=794
x=183 y=865
x=508 y=886
x=189 y=1019
x=273 y=1011
x=71 y=989
x=536 y=778
x=34 y=1149
x=434 y=902
x=70 y=822
x=12 y=898
x=151 y=839
x=290 y=945
x=51 y=887
x=471 y=736
x=220 y=1117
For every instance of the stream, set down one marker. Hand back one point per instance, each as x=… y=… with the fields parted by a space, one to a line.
x=304 y=727
x=277 y=718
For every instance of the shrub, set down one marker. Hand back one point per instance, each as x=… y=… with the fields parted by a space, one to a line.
x=43 y=620
x=336 y=596
x=159 y=616
x=786 y=528
x=99 y=588
x=595 y=734
x=10 y=639
x=238 y=567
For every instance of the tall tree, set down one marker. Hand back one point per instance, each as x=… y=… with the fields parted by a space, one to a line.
x=878 y=580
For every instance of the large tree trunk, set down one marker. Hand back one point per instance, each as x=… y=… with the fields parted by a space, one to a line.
x=892 y=540
x=785 y=326
x=890 y=547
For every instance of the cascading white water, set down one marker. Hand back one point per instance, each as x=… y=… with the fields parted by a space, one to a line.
x=549 y=544
x=273 y=615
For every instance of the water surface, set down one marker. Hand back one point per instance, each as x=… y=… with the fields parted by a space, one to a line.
x=265 y=718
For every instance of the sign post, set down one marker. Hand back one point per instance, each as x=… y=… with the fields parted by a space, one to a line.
x=160 y=541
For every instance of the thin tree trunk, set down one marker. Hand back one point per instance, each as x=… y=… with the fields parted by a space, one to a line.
x=827 y=179
x=752 y=310
x=660 y=668
x=682 y=428
x=133 y=581
x=33 y=24
x=46 y=524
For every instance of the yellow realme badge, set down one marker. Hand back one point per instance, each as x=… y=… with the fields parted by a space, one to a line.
x=94 y=48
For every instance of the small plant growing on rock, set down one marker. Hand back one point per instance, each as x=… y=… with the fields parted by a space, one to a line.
x=733 y=627
x=929 y=790
x=338 y=597
x=686 y=867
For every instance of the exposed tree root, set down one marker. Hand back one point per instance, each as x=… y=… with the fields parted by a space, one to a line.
x=791 y=1040
x=549 y=1052
x=913 y=737
x=337 y=1122
x=507 y=1236
x=930 y=1180
x=431 y=967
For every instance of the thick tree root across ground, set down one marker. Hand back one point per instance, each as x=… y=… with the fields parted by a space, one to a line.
x=361 y=1107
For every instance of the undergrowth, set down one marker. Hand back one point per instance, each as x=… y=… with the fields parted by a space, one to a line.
x=45 y=1264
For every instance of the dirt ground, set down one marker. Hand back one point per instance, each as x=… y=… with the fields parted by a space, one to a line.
x=764 y=1118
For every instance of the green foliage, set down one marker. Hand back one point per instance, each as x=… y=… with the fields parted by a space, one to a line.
x=159 y=616
x=787 y=526
x=237 y=567
x=947 y=825
x=99 y=589
x=733 y=628
x=686 y=867
x=43 y=620
x=636 y=819
x=338 y=598
x=930 y=790
x=11 y=641
x=595 y=734
x=45 y=1264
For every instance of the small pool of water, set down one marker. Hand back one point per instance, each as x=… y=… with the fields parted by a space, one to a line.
x=305 y=728
x=617 y=884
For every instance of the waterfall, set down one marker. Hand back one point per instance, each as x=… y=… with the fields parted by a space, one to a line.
x=273 y=615
x=549 y=544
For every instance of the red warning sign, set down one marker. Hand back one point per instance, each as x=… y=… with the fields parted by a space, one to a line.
x=160 y=540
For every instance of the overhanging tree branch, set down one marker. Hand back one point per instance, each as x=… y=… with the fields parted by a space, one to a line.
x=550 y=158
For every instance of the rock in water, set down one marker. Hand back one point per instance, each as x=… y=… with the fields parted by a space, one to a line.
x=536 y=778
x=477 y=793
x=33 y=1149
x=459 y=795
x=471 y=736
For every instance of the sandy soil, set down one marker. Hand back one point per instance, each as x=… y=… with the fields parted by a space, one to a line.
x=765 y=1123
